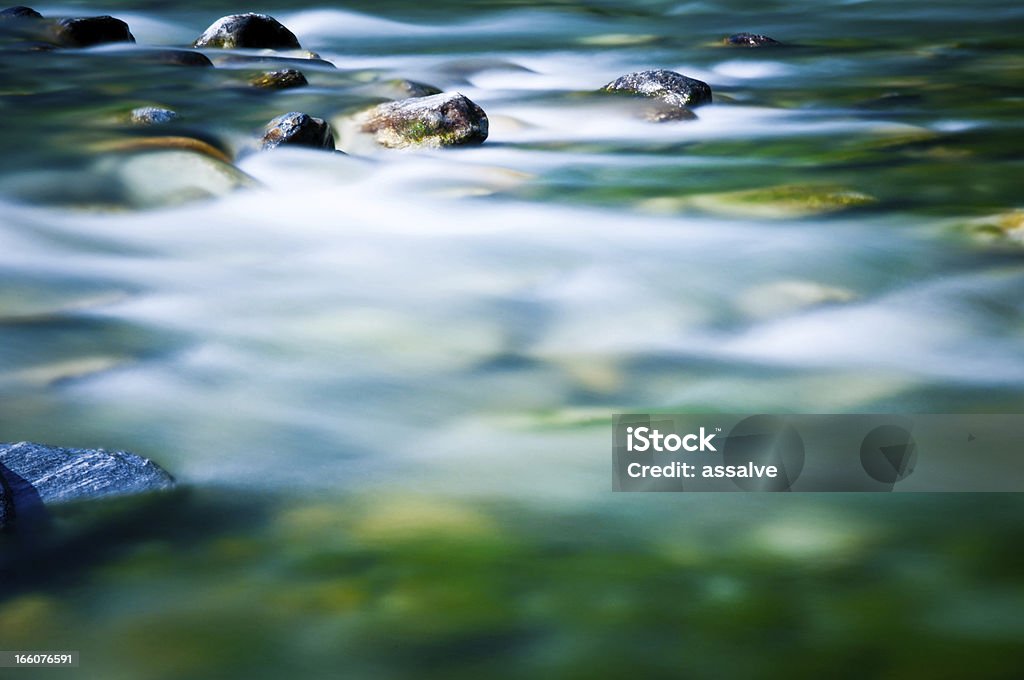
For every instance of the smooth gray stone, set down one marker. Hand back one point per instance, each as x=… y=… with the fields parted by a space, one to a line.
x=671 y=87
x=35 y=476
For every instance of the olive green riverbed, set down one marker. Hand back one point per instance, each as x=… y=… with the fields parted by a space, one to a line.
x=385 y=380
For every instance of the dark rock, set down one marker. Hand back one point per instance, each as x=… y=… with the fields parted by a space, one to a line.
x=297 y=129
x=34 y=476
x=671 y=87
x=6 y=504
x=150 y=115
x=270 y=60
x=174 y=58
x=438 y=120
x=88 y=31
x=248 y=30
x=280 y=80
x=20 y=12
x=750 y=40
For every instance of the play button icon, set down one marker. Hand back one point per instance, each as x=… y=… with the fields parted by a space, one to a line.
x=888 y=453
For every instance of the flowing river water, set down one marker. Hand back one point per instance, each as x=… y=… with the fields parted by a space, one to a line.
x=386 y=379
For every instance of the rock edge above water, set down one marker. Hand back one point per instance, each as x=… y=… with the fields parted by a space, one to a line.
x=671 y=87
x=250 y=30
x=33 y=476
x=449 y=119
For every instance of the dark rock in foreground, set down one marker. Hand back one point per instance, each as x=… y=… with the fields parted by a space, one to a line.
x=34 y=476
x=279 y=80
x=671 y=87
x=88 y=31
x=750 y=40
x=150 y=115
x=20 y=12
x=297 y=129
x=435 y=121
x=257 y=31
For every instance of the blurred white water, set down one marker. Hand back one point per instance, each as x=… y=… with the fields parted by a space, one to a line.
x=463 y=318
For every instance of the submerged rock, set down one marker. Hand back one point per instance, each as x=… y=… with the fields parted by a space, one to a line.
x=20 y=12
x=1003 y=231
x=750 y=40
x=150 y=115
x=174 y=57
x=279 y=80
x=88 y=31
x=288 y=59
x=671 y=87
x=297 y=129
x=148 y=172
x=668 y=114
x=34 y=476
x=258 y=31
x=788 y=201
x=411 y=88
x=436 y=121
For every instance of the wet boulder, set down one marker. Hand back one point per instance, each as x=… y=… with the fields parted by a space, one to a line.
x=151 y=115
x=20 y=12
x=257 y=31
x=89 y=31
x=440 y=120
x=670 y=87
x=283 y=79
x=33 y=476
x=297 y=129
x=750 y=40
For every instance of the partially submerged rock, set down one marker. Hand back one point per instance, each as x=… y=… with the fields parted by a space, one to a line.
x=667 y=113
x=672 y=88
x=1004 y=231
x=297 y=129
x=88 y=31
x=33 y=476
x=148 y=172
x=173 y=57
x=750 y=40
x=279 y=80
x=258 y=31
x=150 y=115
x=788 y=201
x=20 y=12
x=412 y=88
x=439 y=120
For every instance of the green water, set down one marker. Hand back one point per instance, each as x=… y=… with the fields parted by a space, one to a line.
x=385 y=380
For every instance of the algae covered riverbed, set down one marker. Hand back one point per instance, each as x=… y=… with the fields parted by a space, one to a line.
x=385 y=379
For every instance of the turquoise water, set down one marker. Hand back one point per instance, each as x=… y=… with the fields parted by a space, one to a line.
x=386 y=379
